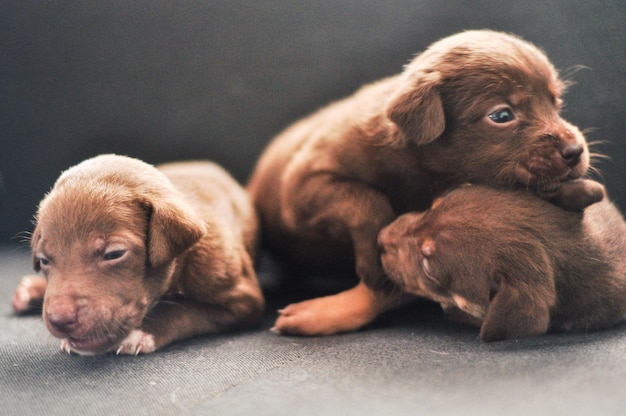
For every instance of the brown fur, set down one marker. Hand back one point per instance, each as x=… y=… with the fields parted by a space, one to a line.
x=511 y=263
x=326 y=186
x=185 y=235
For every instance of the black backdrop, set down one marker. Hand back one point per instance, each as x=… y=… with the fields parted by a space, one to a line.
x=216 y=79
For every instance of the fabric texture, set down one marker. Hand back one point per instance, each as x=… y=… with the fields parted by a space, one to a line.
x=411 y=361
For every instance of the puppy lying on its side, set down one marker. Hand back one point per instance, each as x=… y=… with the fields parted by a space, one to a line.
x=512 y=263
x=136 y=257
x=478 y=106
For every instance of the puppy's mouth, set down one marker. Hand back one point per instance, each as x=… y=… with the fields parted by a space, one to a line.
x=545 y=176
x=405 y=281
x=545 y=169
x=90 y=345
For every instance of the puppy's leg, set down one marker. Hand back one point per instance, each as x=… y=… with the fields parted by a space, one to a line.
x=172 y=321
x=29 y=293
x=208 y=309
x=327 y=205
x=343 y=312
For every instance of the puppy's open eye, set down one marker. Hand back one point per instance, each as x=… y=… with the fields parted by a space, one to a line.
x=114 y=255
x=502 y=115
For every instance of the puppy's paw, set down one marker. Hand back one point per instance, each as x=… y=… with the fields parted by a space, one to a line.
x=575 y=195
x=29 y=293
x=67 y=348
x=137 y=342
x=343 y=312
x=300 y=319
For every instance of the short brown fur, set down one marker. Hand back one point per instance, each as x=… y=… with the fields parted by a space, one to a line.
x=326 y=186
x=511 y=263
x=136 y=257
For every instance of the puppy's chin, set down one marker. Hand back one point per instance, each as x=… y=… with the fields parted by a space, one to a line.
x=89 y=346
x=404 y=279
x=544 y=177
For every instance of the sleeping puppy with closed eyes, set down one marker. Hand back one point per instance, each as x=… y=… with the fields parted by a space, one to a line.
x=511 y=263
x=478 y=106
x=136 y=257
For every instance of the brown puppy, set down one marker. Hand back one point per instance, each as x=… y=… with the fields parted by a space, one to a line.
x=479 y=106
x=137 y=257
x=511 y=263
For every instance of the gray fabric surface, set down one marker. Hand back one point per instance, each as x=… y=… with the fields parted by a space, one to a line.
x=411 y=362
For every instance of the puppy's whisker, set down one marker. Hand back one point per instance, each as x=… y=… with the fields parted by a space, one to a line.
x=594 y=171
x=589 y=130
x=599 y=156
x=24 y=237
x=568 y=74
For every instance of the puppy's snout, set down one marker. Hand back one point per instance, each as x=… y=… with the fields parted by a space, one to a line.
x=571 y=153
x=62 y=320
x=383 y=240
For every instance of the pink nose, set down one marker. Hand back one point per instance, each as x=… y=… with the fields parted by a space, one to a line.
x=62 y=319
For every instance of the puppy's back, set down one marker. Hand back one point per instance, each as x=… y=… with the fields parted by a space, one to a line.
x=592 y=287
x=586 y=251
x=216 y=196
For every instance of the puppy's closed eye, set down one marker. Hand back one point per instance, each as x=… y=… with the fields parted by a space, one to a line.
x=114 y=254
x=428 y=272
x=41 y=262
x=428 y=251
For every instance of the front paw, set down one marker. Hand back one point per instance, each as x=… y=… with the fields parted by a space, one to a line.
x=29 y=293
x=137 y=342
x=575 y=195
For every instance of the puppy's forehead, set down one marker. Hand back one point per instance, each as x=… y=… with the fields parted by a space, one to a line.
x=501 y=60
x=72 y=213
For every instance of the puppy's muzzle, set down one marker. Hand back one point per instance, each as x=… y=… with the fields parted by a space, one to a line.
x=571 y=154
x=63 y=321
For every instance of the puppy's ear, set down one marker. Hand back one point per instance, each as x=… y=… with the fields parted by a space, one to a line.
x=417 y=108
x=173 y=227
x=517 y=312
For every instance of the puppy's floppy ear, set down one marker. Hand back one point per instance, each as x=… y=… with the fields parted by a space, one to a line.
x=417 y=108
x=517 y=311
x=173 y=227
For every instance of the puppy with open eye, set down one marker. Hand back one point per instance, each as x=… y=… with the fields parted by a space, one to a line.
x=511 y=263
x=479 y=106
x=137 y=257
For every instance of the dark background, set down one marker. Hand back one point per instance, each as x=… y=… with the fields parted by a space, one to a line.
x=217 y=79
x=162 y=80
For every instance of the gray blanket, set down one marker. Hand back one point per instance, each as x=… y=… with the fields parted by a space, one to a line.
x=410 y=362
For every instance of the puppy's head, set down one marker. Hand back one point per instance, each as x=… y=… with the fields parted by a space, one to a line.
x=424 y=254
x=467 y=254
x=485 y=107
x=106 y=238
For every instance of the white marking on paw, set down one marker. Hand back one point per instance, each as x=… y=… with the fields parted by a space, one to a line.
x=137 y=342
x=466 y=306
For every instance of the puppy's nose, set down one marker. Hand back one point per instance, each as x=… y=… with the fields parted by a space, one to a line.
x=63 y=321
x=382 y=240
x=571 y=154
